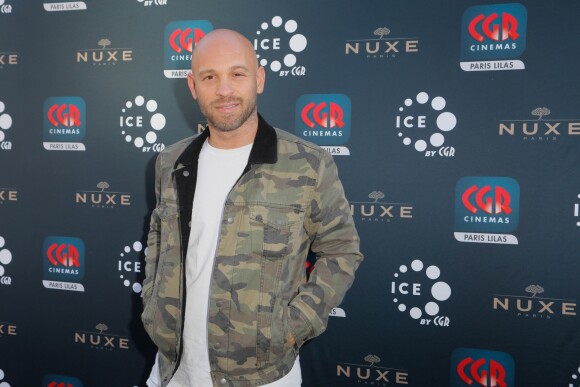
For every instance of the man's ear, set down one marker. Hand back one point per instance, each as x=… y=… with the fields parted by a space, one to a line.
x=260 y=79
x=191 y=83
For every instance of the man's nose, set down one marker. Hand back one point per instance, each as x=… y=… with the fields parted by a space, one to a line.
x=224 y=87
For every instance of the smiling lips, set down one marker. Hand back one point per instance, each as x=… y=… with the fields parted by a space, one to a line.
x=227 y=106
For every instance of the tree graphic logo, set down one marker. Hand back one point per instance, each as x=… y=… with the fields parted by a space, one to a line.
x=382 y=32
x=541 y=112
x=373 y=359
x=104 y=42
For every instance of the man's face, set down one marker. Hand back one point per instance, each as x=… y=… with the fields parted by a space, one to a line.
x=225 y=81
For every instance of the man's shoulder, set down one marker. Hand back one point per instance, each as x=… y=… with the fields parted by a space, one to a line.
x=173 y=151
x=289 y=141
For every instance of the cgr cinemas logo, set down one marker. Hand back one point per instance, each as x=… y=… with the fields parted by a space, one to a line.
x=101 y=340
x=8 y=59
x=382 y=47
x=371 y=373
x=277 y=44
x=426 y=128
x=5 y=259
x=533 y=307
x=7 y=329
x=63 y=263
x=325 y=120
x=103 y=198
x=492 y=36
x=60 y=381
x=104 y=56
x=180 y=39
x=486 y=208
x=410 y=295
x=471 y=367
x=5 y=124
x=540 y=129
x=379 y=211
x=129 y=266
x=64 y=123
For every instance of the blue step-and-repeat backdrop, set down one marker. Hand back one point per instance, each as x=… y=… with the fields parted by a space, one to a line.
x=456 y=129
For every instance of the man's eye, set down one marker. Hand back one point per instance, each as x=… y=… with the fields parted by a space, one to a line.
x=208 y=78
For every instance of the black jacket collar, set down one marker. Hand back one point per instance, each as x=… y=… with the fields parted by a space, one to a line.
x=264 y=150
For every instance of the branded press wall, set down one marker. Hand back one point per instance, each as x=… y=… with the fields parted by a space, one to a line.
x=456 y=129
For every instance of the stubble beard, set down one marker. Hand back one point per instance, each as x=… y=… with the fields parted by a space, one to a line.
x=232 y=122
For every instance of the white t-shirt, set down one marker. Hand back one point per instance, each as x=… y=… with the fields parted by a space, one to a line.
x=217 y=172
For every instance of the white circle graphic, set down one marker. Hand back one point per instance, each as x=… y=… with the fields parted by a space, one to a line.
x=264 y=26
x=2 y=136
x=5 y=121
x=5 y=256
x=158 y=121
x=2 y=106
x=433 y=272
x=438 y=103
x=2 y=241
x=432 y=308
x=437 y=139
x=446 y=121
x=441 y=291
x=422 y=97
x=291 y=26
x=290 y=60
x=139 y=100
x=276 y=21
x=420 y=145
x=416 y=313
x=417 y=265
x=151 y=137
x=407 y=141
x=275 y=66
x=298 y=43
x=151 y=105
x=139 y=142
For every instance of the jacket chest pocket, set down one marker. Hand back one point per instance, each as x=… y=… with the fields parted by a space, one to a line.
x=273 y=228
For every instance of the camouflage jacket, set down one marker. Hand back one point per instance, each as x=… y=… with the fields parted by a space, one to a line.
x=288 y=201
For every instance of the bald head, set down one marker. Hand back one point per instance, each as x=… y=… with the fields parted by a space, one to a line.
x=224 y=41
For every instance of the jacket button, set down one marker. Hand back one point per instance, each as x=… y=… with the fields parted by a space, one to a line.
x=185 y=173
x=259 y=218
x=219 y=303
x=217 y=346
x=223 y=381
x=230 y=220
x=189 y=224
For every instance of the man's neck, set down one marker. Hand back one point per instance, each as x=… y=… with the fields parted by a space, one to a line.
x=236 y=138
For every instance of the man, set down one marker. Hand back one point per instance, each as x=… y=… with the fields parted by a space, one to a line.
x=226 y=296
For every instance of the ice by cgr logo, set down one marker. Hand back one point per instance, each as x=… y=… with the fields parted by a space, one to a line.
x=410 y=295
x=5 y=124
x=486 y=208
x=63 y=263
x=276 y=47
x=180 y=39
x=60 y=381
x=325 y=120
x=5 y=259
x=471 y=367
x=139 y=116
x=130 y=265
x=64 y=123
x=492 y=36
x=425 y=128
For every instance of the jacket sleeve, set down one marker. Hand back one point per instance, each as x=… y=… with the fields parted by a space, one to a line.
x=335 y=242
x=153 y=239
